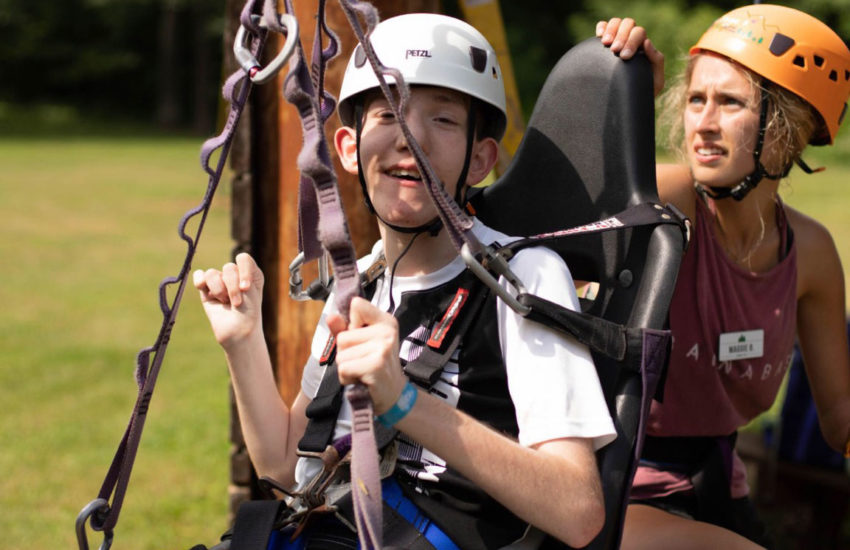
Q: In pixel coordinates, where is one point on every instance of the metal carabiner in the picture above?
(249, 63)
(498, 264)
(98, 507)
(296, 282)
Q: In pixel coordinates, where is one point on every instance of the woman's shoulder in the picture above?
(810, 235)
(818, 263)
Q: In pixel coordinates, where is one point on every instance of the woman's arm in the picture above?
(821, 326)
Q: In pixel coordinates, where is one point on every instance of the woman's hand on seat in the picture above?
(625, 38)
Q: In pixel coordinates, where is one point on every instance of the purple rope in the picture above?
(325, 222)
(315, 164)
(149, 360)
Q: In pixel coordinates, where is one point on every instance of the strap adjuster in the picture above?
(493, 262)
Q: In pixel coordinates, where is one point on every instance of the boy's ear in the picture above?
(345, 142)
(485, 153)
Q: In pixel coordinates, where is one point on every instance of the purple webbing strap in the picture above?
(146, 372)
(305, 91)
(308, 209)
(314, 162)
(366, 495)
(455, 221)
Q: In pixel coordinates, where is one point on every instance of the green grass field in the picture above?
(89, 230)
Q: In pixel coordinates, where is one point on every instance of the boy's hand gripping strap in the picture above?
(102, 515)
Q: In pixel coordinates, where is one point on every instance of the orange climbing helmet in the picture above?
(793, 50)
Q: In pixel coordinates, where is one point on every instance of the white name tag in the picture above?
(741, 345)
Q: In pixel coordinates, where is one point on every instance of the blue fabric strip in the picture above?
(395, 499)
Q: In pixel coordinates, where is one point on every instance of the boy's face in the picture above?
(438, 119)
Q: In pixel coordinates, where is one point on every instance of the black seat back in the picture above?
(589, 153)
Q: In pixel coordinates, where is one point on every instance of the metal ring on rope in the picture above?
(249, 63)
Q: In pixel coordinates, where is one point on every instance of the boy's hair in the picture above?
(791, 120)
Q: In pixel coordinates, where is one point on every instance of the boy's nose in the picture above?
(416, 127)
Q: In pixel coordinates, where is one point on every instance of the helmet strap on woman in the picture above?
(434, 226)
(760, 172)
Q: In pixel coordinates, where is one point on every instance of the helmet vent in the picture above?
(833, 76)
(478, 57)
(846, 75)
(818, 61)
(780, 44)
(799, 61)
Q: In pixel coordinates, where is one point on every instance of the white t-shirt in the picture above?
(551, 377)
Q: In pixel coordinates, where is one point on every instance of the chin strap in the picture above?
(760, 172)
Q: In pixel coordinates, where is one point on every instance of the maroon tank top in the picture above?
(705, 394)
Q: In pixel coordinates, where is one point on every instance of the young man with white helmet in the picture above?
(505, 436)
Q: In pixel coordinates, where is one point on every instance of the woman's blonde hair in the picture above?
(791, 120)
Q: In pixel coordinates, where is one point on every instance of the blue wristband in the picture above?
(401, 407)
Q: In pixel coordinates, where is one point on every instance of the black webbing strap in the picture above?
(322, 421)
(254, 522)
(322, 414)
(603, 336)
(611, 339)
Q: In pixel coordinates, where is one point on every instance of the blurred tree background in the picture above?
(155, 62)
(158, 62)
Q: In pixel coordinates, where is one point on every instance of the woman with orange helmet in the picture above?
(763, 82)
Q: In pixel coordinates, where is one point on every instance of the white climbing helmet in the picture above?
(429, 49)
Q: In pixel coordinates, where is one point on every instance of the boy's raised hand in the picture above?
(232, 298)
(367, 352)
(625, 38)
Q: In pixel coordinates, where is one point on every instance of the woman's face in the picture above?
(721, 122)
